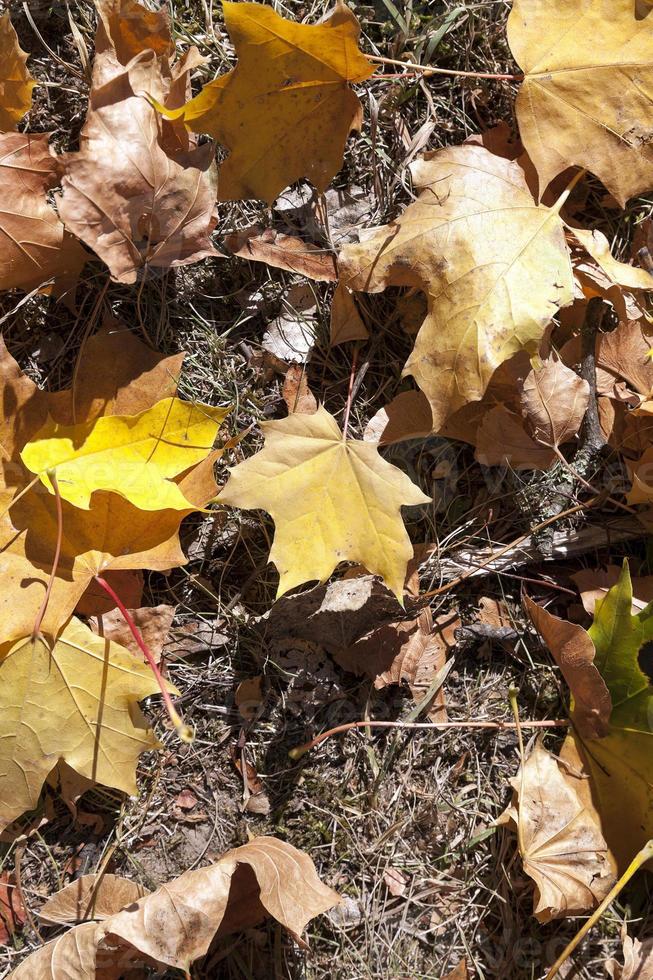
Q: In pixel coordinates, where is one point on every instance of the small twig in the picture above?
(430, 70)
(185, 732)
(55, 561)
(300, 750)
(640, 858)
(502, 551)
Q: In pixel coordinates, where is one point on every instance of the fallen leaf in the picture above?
(332, 500)
(296, 393)
(128, 584)
(494, 612)
(407, 416)
(586, 94)
(254, 796)
(126, 28)
(346, 322)
(77, 700)
(559, 839)
(501, 439)
(283, 252)
(573, 651)
(36, 252)
(554, 401)
(336, 614)
(638, 961)
(619, 764)
(459, 973)
(152, 622)
(90, 897)
(594, 584)
(471, 205)
(16, 83)
(69, 957)
(249, 697)
(291, 336)
(139, 204)
(176, 924)
(132, 455)
(410, 651)
(287, 108)
(12, 910)
(112, 535)
(395, 881)
(185, 800)
(619, 273)
(133, 377)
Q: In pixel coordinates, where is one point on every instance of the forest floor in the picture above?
(370, 807)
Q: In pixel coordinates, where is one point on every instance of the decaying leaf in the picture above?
(135, 456)
(69, 957)
(560, 840)
(75, 699)
(152, 622)
(573, 650)
(91, 897)
(586, 95)
(501, 438)
(287, 108)
(411, 652)
(296, 393)
(16, 83)
(332, 500)
(291, 336)
(35, 250)
(494, 265)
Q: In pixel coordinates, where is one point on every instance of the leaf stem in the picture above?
(640, 858)
(185, 732)
(350, 393)
(55, 561)
(430, 70)
(301, 750)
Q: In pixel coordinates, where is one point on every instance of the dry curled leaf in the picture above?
(332, 500)
(574, 652)
(494, 266)
(560, 841)
(587, 91)
(90, 897)
(638, 961)
(287, 108)
(594, 584)
(283, 252)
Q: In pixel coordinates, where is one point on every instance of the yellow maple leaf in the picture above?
(494, 265)
(132, 455)
(331, 499)
(588, 90)
(16, 83)
(74, 700)
(287, 108)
